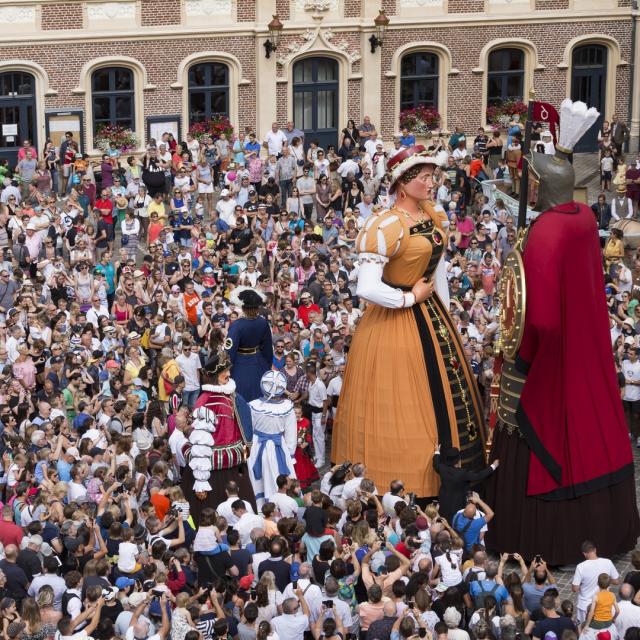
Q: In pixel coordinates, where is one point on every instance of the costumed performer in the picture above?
(407, 385)
(215, 452)
(274, 437)
(249, 343)
(306, 471)
(566, 461)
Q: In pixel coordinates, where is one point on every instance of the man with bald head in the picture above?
(294, 620)
(629, 615)
(17, 582)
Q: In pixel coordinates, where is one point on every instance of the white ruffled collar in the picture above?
(227, 389)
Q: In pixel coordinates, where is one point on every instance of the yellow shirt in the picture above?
(169, 371)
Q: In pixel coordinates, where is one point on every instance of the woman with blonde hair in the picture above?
(35, 629)
(45, 600)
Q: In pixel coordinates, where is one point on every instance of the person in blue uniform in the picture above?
(249, 344)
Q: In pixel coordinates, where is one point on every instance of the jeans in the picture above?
(308, 210)
(189, 397)
(285, 192)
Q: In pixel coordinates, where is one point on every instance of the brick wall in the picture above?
(389, 7)
(157, 56)
(282, 9)
(624, 3)
(466, 6)
(551, 5)
(354, 100)
(65, 15)
(465, 89)
(352, 8)
(246, 11)
(160, 12)
(281, 102)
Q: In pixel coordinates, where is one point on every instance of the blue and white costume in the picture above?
(274, 437)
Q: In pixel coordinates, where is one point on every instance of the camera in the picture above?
(469, 496)
(294, 584)
(410, 605)
(174, 512)
(422, 632)
(253, 593)
(327, 603)
(538, 559)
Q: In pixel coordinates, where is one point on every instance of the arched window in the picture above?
(419, 78)
(112, 96)
(208, 91)
(505, 78)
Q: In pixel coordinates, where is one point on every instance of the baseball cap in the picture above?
(73, 451)
(134, 335)
(136, 598)
(124, 583)
(112, 364)
(136, 382)
(224, 192)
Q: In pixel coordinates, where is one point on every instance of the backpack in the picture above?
(66, 598)
(478, 598)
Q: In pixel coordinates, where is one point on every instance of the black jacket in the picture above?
(454, 485)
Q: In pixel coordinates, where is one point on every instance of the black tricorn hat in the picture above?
(216, 364)
(250, 299)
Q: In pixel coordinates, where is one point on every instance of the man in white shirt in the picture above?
(371, 145)
(292, 624)
(76, 488)
(246, 523)
(629, 615)
(343, 611)
(224, 508)
(585, 579)
(287, 506)
(395, 494)
(349, 166)
(312, 592)
(631, 394)
(275, 140)
(225, 207)
(319, 408)
(189, 363)
(351, 487)
(177, 439)
(96, 311)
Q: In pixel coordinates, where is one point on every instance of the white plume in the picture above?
(442, 157)
(575, 120)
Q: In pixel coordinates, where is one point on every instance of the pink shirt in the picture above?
(465, 226)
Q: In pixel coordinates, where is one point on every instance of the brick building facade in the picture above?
(555, 47)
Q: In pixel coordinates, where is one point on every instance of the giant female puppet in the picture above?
(566, 471)
(407, 384)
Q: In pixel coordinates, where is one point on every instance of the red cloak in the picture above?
(570, 411)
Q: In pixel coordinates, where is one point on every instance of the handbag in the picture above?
(125, 240)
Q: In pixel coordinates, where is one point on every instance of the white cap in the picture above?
(224, 192)
(73, 451)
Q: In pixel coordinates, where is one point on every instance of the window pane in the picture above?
(101, 108)
(326, 70)
(408, 67)
(326, 113)
(30, 131)
(196, 75)
(303, 109)
(494, 89)
(197, 106)
(218, 102)
(426, 93)
(124, 107)
(514, 59)
(9, 115)
(407, 93)
(514, 87)
(219, 74)
(123, 80)
(101, 80)
(25, 86)
(506, 60)
(426, 64)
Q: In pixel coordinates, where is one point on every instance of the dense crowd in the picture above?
(115, 289)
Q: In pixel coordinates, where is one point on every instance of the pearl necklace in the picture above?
(422, 218)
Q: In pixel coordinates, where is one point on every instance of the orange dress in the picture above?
(407, 384)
